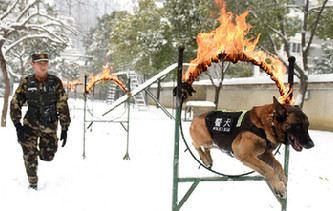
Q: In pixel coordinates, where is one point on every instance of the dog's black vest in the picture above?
(224, 126)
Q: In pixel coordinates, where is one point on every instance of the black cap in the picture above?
(40, 57)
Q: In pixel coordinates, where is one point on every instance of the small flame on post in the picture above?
(228, 43)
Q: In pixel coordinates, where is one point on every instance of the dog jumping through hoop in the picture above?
(252, 136)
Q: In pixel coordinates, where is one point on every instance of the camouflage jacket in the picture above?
(20, 97)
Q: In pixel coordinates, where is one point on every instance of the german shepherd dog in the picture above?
(279, 123)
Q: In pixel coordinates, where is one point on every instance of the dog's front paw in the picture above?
(280, 189)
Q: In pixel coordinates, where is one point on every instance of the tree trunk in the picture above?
(302, 91)
(217, 95)
(303, 86)
(218, 87)
(7, 89)
(303, 78)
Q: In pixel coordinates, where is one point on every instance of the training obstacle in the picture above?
(127, 99)
(91, 121)
(177, 202)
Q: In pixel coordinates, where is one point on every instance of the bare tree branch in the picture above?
(29, 37)
(13, 27)
(53, 22)
(64, 24)
(313, 9)
(9, 10)
(273, 43)
(24, 12)
(23, 23)
(315, 26)
(10, 72)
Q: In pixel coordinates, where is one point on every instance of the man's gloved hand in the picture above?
(63, 137)
(20, 132)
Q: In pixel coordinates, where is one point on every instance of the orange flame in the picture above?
(228, 43)
(71, 85)
(104, 77)
(94, 79)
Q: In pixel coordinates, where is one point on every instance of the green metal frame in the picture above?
(176, 203)
(126, 128)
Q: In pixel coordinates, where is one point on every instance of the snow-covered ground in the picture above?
(104, 181)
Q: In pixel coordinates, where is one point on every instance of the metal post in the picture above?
(127, 157)
(92, 105)
(291, 67)
(158, 91)
(176, 146)
(84, 116)
(286, 168)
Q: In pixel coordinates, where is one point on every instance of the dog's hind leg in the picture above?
(204, 155)
(202, 139)
(209, 157)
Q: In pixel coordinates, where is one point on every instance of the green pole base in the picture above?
(127, 157)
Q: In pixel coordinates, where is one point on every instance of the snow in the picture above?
(104, 181)
(321, 78)
(200, 103)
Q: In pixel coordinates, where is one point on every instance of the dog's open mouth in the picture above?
(294, 143)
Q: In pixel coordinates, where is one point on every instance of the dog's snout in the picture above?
(310, 144)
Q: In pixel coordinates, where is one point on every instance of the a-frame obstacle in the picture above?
(177, 202)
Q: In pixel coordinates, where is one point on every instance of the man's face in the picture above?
(41, 68)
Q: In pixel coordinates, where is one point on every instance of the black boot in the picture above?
(33, 186)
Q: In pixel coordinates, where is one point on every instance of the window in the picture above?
(299, 2)
(295, 47)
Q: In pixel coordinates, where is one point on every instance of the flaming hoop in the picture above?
(228, 43)
(104, 76)
(72, 85)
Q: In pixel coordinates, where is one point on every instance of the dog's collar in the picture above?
(273, 126)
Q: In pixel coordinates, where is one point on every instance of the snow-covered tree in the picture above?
(98, 40)
(187, 18)
(23, 21)
(67, 69)
(153, 46)
(142, 39)
(324, 64)
(277, 23)
(122, 47)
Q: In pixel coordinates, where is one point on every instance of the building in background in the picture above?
(83, 15)
(295, 46)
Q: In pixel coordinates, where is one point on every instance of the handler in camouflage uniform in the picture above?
(47, 101)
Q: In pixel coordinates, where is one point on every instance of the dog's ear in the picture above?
(280, 110)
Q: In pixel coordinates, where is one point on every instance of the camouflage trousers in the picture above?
(39, 141)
